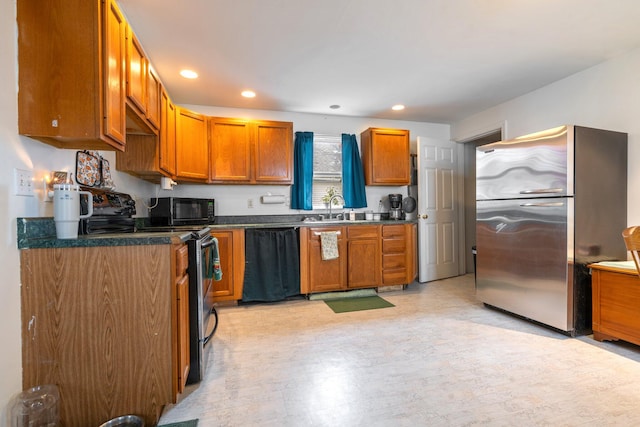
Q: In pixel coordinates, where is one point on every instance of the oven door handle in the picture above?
(206, 243)
(208, 337)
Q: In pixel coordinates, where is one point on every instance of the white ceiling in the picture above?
(443, 59)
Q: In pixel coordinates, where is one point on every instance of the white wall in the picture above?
(606, 96)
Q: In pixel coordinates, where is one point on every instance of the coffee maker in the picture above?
(395, 206)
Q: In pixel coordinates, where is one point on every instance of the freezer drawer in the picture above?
(524, 257)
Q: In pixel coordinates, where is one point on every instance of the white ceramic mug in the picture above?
(66, 209)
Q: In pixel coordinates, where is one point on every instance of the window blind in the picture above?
(327, 167)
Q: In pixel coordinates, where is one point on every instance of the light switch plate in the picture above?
(23, 182)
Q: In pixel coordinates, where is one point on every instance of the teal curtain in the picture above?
(302, 188)
(353, 189)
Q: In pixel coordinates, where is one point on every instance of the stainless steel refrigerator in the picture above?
(547, 205)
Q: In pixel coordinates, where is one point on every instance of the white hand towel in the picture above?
(329, 245)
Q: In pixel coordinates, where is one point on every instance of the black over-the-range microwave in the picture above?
(176, 211)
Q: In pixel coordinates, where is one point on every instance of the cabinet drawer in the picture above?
(393, 246)
(362, 231)
(314, 232)
(392, 230)
(182, 260)
(394, 277)
(390, 261)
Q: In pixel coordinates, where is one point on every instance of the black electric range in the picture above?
(112, 212)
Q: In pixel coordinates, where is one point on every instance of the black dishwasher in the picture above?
(272, 264)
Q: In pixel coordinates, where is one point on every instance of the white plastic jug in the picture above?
(66, 209)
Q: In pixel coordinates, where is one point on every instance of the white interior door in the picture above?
(437, 209)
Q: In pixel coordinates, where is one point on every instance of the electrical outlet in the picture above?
(249, 203)
(23, 182)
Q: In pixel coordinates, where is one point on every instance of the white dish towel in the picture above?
(329, 245)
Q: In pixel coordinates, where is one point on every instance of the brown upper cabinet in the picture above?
(136, 72)
(192, 148)
(151, 157)
(230, 150)
(167, 134)
(71, 68)
(153, 97)
(250, 151)
(385, 156)
(142, 87)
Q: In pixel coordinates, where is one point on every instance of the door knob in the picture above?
(425, 216)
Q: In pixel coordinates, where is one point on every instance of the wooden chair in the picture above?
(631, 236)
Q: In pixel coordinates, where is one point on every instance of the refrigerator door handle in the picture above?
(543, 191)
(543, 205)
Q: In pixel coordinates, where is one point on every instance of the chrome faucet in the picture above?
(335, 196)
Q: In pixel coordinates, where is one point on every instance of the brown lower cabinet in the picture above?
(369, 256)
(232, 259)
(399, 254)
(317, 275)
(106, 324)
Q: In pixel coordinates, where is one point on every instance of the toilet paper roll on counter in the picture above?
(272, 199)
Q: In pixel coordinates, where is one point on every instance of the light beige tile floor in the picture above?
(438, 358)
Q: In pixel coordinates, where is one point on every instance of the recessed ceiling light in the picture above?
(334, 106)
(397, 107)
(248, 94)
(189, 74)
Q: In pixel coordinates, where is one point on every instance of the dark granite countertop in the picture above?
(34, 233)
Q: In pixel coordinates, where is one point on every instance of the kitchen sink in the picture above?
(325, 221)
(322, 220)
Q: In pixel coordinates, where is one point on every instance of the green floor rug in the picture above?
(190, 423)
(344, 305)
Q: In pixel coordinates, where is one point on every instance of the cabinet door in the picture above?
(330, 275)
(182, 291)
(114, 73)
(364, 263)
(230, 150)
(364, 256)
(136, 72)
(153, 97)
(232, 259)
(386, 156)
(167, 134)
(192, 151)
(181, 318)
(273, 152)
